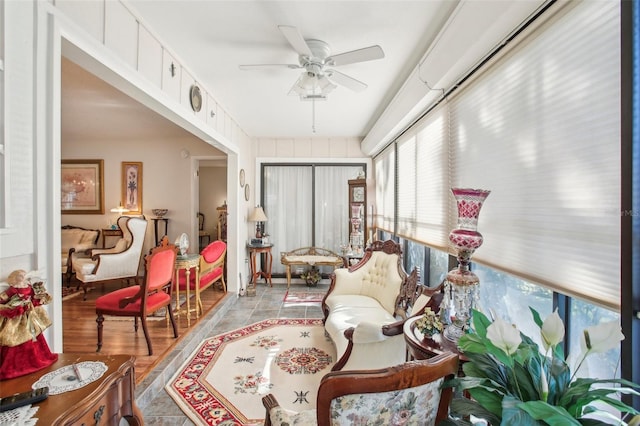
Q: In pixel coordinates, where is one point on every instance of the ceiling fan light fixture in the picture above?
(312, 87)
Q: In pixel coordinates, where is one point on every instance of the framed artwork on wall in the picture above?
(82, 188)
(132, 186)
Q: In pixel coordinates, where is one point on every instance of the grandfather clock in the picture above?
(357, 214)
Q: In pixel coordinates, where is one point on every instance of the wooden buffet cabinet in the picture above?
(100, 403)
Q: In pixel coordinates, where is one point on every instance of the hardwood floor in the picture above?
(119, 337)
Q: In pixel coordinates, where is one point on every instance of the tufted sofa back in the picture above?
(377, 277)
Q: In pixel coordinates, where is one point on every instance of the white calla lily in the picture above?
(504, 335)
(600, 338)
(552, 330)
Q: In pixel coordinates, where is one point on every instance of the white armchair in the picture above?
(119, 262)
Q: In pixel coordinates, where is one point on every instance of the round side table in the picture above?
(425, 347)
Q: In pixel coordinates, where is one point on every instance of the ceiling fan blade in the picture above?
(346, 81)
(269, 66)
(360, 55)
(295, 39)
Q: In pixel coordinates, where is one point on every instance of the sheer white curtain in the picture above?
(332, 204)
(288, 195)
(295, 214)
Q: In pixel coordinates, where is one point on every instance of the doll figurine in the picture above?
(23, 348)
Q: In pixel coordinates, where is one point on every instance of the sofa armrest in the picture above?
(393, 329)
(363, 342)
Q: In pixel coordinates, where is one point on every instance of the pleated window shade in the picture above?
(384, 169)
(540, 128)
(423, 181)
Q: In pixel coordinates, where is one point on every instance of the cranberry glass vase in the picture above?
(461, 285)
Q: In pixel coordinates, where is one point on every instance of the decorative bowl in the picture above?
(159, 212)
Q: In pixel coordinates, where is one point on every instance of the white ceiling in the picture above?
(212, 38)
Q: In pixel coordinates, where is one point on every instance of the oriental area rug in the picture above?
(224, 380)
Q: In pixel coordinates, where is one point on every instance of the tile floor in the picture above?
(157, 407)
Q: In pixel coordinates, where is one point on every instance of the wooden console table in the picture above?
(102, 402)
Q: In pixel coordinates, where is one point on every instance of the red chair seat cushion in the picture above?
(205, 280)
(111, 302)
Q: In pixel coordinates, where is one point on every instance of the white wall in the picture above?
(213, 194)
(309, 148)
(166, 180)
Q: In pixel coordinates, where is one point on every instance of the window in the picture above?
(318, 193)
(600, 365)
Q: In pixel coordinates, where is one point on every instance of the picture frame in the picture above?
(132, 186)
(82, 187)
(242, 178)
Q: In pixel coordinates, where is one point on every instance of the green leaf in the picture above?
(480, 323)
(558, 352)
(536, 317)
(527, 385)
(466, 407)
(489, 399)
(486, 366)
(513, 415)
(472, 343)
(550, 414)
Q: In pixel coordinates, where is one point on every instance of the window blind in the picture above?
(432, 152)
(540, 128)
(407, 187)
(384, 168)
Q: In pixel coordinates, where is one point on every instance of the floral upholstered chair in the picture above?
(407, 394)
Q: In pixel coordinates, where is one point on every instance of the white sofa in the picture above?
(366, 305)
(75, 240)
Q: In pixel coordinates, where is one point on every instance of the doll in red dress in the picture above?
(23, 348)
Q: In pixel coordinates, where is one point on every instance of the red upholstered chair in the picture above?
(140, 301)
(211, 271)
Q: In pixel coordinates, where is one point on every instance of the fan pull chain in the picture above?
(313, 115)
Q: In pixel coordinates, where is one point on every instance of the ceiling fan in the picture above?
(314, 57)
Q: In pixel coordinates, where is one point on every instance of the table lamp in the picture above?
(259, 218)
(120, 209)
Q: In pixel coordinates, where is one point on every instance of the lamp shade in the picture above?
(258, 215)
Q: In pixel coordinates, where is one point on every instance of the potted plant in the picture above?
(311, 276)
(429, 324)
(510, 381)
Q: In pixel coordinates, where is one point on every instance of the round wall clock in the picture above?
(247, 192)
(196, 98)
(241, 178)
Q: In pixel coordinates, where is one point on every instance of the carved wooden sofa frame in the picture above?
(410, 299)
